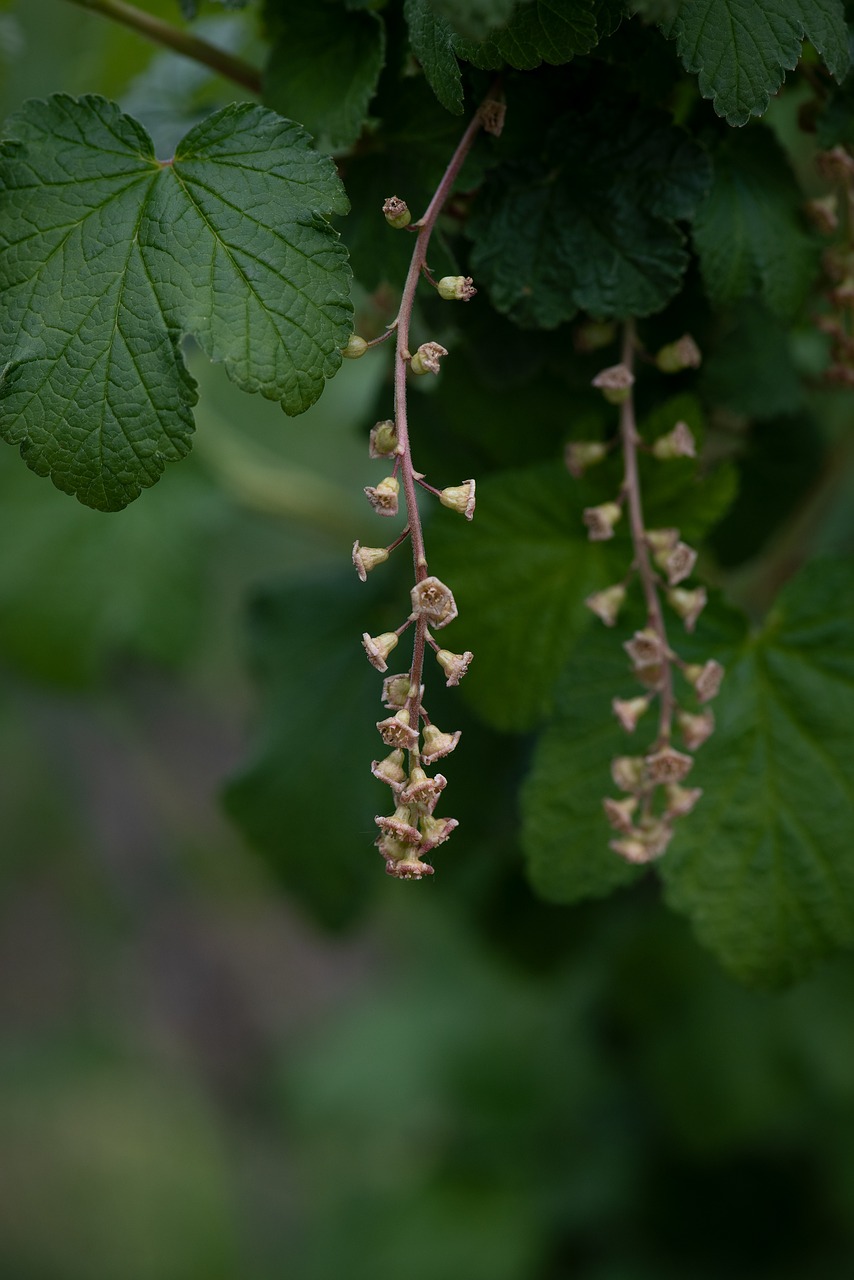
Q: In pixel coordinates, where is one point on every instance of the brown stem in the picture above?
(163, 33)
(631, 488)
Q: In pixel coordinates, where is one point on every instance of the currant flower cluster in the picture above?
(651, 780)
(412, 831)
(833, 215)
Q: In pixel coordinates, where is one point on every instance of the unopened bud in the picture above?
(687, 604)
(384, 496)
(695, 729)
(437, 744)
(678, 563)
(459, 497)
(355, 347)
(600, 520)
(427, 357)
(607, 604)
(581, 454)
(454, 665)
(367, 558)
(678, 443)
(456, 288)
(615, 383)
(629, 711)
(396, 212)
(676, 356)
(379, 647)
(383, 441)
(706, 679)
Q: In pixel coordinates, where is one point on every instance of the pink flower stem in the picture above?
(631, 488)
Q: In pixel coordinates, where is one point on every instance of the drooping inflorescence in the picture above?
(651, 780)
(410, 833)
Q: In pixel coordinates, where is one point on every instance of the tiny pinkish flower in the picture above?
(679, 355)
(678, 443)
(661, 540)
(678, 563)
(667, 765)
(615, 383)
(628, 772)
(433, 601)
(435, 831)
(695, 729)
(383, 440)
(396, 212)
(367, 558)
(395, 690)
(460, 497)
(629, 711)
(454, 665)
(646, 648)
(456, 288)
(391, 848)
(400, 825)
(422, 790)
(427, 357)
(379, 647)
(619, 812)
(437, 744)
(396, 732)
(409, 868)
(680, 800)
(607, 604)
(581, 454)
(631, 849)
(491, 113)
(688, 604)
(390, 769)
(600, 520)
(384, 496)
(706, 679)
(656, 834)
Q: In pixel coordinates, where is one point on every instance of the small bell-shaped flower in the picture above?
(383, 439)
(660, 541)
(678, 443)
(384, 496)
(695, 729)
(434, 602)
(367, 558)
(667, 765)
(437, 743)
(409, 868)
(390, 769)
(600, 520)
(678, 563)
(427, 357)
(619, 812)
(629, 773)
(454, 665)
(706, 679)
(581, 454)
(435, 831)
(632, 849)
(379, 647)
(607, 604)
(688, 605)
(400, 825)
(456, 288)
(680, 800)
(459, 497)
(422, 790)
(396, 212)
(615, 383)
(646, 648)
(629, 711)
(396, 690)
(396, 731)
(679, 355)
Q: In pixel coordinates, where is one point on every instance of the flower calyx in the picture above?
(384, 496)
(600, 520)
(454, 665)
(367, 558)
(396, 212)
(615, 383)
(379, 647)
(459, 497)
(427, 357)
(434, 602)
(383, 439)
(456, 288)
(679, 355)
(437, 744)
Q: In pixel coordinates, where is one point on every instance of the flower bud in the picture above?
(667, 765)
(456, 288)
(383, 441)
(695, 729)
(390, 769)
(628, 772)
(629, 711)
(355, 347)
(706, 679)
(619, 812)
(427, 357)
(678, 563)
(687, 604)
(432, 600)
(379, 647)
(396, 732)
(600, 521)
(581, 454)
(396, 690)
(454, 665)
(437, 744)
(607, 604)
(615, 383)
(678, 443)
(676, 356)
(384, 496)
(459, 498)
(396, 212)
(367, 558)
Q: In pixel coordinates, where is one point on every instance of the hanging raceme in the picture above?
(412, 831)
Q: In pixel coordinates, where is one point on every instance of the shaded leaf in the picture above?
(432, 41)
(229, 242)
(552, 31)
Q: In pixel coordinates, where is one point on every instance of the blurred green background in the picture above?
(199, 1080)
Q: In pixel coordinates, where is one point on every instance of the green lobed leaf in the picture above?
(324, 67)
(432, 41)
(766, 871)
(564, 831)
(474, 19)
(552, 31)
(107, 256)
(587, 219)
(749, 232)
(740, 49)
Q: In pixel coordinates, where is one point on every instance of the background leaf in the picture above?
(432, 40)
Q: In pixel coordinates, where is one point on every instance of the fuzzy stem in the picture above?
(163, 33)
(631, 487)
